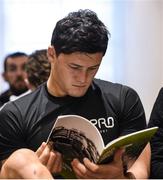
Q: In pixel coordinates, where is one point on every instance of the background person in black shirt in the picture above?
(156, 119)
(79, 42)
(37, 69)
(14, 73)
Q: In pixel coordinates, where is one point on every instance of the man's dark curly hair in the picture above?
(80, 31)
(38, 67)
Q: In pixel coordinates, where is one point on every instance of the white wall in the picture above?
(143, 48)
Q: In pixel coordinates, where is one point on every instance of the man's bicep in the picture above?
(11, 131)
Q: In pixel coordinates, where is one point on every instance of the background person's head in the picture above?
(79, 41)
(14, 72)
(37, 68)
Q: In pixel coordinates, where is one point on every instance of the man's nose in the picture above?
(19, 72)
(82, 76)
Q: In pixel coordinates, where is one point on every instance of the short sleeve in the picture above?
(11, 130)
(132, 115)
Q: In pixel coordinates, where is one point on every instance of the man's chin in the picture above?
(77, 94)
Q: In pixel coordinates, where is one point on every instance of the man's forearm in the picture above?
(24, 164)
(141, 167)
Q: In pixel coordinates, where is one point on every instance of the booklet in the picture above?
(76, 137)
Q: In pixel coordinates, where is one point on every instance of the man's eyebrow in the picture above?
(89, 56)
(77, 65)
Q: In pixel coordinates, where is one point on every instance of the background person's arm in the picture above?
(156, 119)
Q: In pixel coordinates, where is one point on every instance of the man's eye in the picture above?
(93, 69)
(74, 67)
(11, 68)
(23, 67)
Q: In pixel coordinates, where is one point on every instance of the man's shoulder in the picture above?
(161, 93)
(111, 87)
(4, 97)
(5, 94)
(105, 83)
(27, 100)
(30, 95)
(115, 92)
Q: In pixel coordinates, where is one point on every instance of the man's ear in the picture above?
(51, 53)
(4, 75)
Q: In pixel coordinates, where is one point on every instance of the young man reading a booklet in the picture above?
(79, 42)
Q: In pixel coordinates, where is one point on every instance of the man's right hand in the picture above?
(51, 159)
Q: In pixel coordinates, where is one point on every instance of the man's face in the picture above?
(15, 73)
(73, 73)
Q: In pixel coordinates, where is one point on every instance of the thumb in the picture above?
(118, 155)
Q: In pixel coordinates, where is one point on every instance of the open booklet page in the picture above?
(76, 137)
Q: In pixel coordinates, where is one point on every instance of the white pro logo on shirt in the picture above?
(102, 122)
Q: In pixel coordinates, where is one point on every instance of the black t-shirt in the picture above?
(5, 97)
(113, 108)
(156, 119)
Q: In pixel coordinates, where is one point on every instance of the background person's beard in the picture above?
(17, 91)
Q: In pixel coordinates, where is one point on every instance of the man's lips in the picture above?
(19, 82)
(80, 86)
